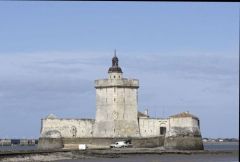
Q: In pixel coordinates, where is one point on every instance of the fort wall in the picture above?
(117, 118)
(151, 126)
(58, 143)
(68, 128)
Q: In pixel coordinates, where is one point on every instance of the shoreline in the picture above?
(53, 155)
(214, 142)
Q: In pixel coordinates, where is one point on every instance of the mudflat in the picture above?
(98, 154)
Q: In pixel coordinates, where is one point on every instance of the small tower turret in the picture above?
(115, 72)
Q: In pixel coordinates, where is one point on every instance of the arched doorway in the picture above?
(162, 131)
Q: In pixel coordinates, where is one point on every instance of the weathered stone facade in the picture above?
(117, 117)
(116, 107)
(68, 128)
(151, 126)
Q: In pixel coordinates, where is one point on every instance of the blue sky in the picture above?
(186, 56)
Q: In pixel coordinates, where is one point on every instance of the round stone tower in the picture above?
(116, 104)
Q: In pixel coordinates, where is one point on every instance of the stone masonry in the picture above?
(117, 117)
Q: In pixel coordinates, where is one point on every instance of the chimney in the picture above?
(146, 112)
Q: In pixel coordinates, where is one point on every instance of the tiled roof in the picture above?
(183, 114)
(51, 116)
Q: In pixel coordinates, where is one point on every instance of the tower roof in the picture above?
(184, 114)
(115, 68)
(51, 116)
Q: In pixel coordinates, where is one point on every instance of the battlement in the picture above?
(106, 83)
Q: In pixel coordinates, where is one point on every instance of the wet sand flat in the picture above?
(120, 155)
(164, 158)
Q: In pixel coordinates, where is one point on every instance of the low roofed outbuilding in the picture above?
(184, 114)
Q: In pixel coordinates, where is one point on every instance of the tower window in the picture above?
(114, 99)
(114, 76)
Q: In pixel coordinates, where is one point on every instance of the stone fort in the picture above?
(118, 118)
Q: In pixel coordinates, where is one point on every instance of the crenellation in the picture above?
(117, 83)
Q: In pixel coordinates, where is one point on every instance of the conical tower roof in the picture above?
(115, 68)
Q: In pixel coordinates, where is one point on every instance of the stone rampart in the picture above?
(67, 127)
(183, 143)
(136, 142)
(56, 143)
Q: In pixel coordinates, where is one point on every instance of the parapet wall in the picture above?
(103, 83)
(69, 128)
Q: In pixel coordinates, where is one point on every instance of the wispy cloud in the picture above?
(199, 66)
(63, 83)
